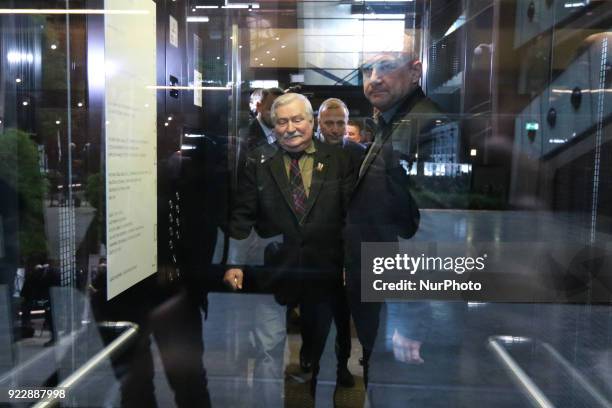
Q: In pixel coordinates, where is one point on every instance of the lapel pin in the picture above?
(320, 166)
(263, 158)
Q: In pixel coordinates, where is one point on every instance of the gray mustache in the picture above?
(288, 135)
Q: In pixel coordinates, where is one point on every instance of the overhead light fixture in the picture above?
(473, 152)
(198, 19)
(18, 80)
(25, 103)
(15, 57)
(241, 6)
(80, 104)
(207, 7)
(53, 47)
(57, 122)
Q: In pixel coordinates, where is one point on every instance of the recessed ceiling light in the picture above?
(260, 64)
(80, 104)
(57, 122)
(283, 46)
(53, 46)
(25, 103)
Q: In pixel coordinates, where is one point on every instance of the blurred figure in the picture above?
(333, 118)
(254, 99)
(261, 129)
(382, 208)
(353, 131)
(295, 189)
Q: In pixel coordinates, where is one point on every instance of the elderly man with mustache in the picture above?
(296, 189)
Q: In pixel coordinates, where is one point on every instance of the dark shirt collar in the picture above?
(390, 113)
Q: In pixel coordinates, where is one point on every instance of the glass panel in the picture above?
(289, 203)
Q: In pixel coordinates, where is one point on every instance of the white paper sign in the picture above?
(173, 32)
(131, 143)
(197, 88)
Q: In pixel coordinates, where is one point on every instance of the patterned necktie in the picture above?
(298, 192)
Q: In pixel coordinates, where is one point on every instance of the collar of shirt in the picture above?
(389, 113)
(268, 131)
(309, 150)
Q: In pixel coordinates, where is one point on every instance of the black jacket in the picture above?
(309, 260)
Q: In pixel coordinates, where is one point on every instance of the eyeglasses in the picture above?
(383, 67)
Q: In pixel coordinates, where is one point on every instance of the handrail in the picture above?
(131, 329)
(529, 388)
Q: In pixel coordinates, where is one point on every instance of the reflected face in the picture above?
(352, 134)
(293, 127)
(333, 124)
(263, 108)
(388, 78)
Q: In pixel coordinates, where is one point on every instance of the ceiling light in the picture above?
(198, 19)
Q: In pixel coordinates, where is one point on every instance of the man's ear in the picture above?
(416, 71)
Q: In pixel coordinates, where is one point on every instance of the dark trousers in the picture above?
(316, 318)
(366, 316)
(342, 320)
(176, 326)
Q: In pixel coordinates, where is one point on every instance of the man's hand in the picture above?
(406, 350)
(233, 278)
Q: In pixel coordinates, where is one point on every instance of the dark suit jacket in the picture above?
(255, 136)
(382, 207)
(309, 260)
(355, 151)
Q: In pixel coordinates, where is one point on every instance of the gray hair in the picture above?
(334, 103)
(288, 98)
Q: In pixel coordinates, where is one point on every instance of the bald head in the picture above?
(389, 76)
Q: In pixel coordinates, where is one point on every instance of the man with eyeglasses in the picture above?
(296, 189)
(382, 208)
